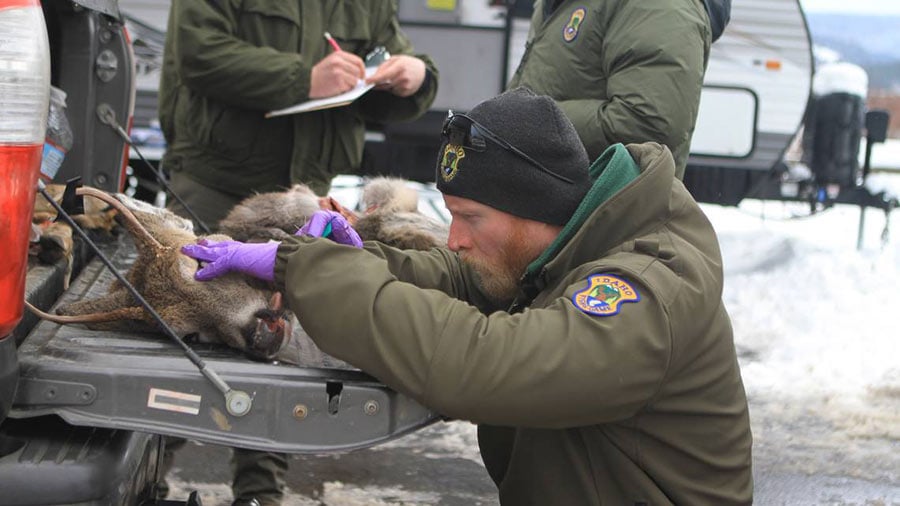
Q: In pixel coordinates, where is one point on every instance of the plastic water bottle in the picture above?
(59, 135)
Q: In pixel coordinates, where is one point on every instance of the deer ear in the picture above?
(276, 302)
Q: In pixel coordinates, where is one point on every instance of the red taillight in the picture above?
(19, 166)
(24, 101)
(9, 4)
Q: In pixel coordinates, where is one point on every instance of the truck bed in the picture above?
(143, 382)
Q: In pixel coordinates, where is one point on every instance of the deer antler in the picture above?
(138, 231)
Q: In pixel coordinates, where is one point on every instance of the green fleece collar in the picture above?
(611, 172)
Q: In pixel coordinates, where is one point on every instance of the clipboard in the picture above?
(339, 100)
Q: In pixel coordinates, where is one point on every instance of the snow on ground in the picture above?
(456, 439)
(816, 326)
(819, 315)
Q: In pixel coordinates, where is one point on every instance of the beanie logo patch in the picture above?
(570, 31)
(453, 153)
(604, 294)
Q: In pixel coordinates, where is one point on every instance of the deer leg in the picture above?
(114, 299)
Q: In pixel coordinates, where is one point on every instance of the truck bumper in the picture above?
(9, 372)
(47, 461)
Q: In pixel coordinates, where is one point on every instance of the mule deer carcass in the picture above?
(227, 309)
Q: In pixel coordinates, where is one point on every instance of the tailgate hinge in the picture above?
(42, 392)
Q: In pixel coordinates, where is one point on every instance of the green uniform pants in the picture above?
(208, 204)
(257, 475)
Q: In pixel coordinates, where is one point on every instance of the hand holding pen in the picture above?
(338, 72)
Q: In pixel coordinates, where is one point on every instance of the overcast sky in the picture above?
(856, 6)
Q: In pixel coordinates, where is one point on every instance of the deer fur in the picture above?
(390, 215)
(226, 309)
(271, 215)
(388, 194)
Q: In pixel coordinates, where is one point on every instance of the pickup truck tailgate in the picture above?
(143, 382)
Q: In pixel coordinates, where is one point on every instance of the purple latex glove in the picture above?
(332, 225)
(255, 259)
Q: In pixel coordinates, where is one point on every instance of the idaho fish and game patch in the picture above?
(570, 31)
(450, 161)
(604, 295)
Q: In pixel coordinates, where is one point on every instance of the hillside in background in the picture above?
(873, 42)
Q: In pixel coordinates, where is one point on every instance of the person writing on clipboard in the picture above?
(402, 75)
(226, 64)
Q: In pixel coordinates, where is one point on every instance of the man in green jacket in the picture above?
(621, 71)
(227, 63)
(576, 314)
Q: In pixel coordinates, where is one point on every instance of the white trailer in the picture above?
(757, 87)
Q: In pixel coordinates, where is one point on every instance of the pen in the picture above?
(334, 44)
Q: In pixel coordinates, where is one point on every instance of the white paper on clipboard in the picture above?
(340, 100)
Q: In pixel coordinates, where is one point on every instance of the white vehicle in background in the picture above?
(756, 89)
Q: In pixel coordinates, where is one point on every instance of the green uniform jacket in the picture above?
(227, 62)
(630, 72)
(645, 406)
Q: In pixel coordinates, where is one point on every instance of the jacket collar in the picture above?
(629, 197)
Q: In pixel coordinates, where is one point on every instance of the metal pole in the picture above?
(862, 223)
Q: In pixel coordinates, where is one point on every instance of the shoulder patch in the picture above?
(604, 294)
(570, 31)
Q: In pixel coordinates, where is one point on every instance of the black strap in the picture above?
(719, 14)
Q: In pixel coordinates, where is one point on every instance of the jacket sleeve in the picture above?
(212, 59)
(436, 269)
(548, 368)
(383, 106)
(655, 57)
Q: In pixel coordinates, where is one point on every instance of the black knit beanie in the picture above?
(497, 177)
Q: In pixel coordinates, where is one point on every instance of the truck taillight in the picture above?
(24, 101)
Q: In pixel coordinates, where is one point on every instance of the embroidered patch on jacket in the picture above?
(570, 31)
(604, 294)
(450, 160)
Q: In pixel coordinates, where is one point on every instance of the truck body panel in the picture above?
(93, 62)
(52, 462)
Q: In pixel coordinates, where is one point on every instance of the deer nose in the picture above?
(272, 333)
